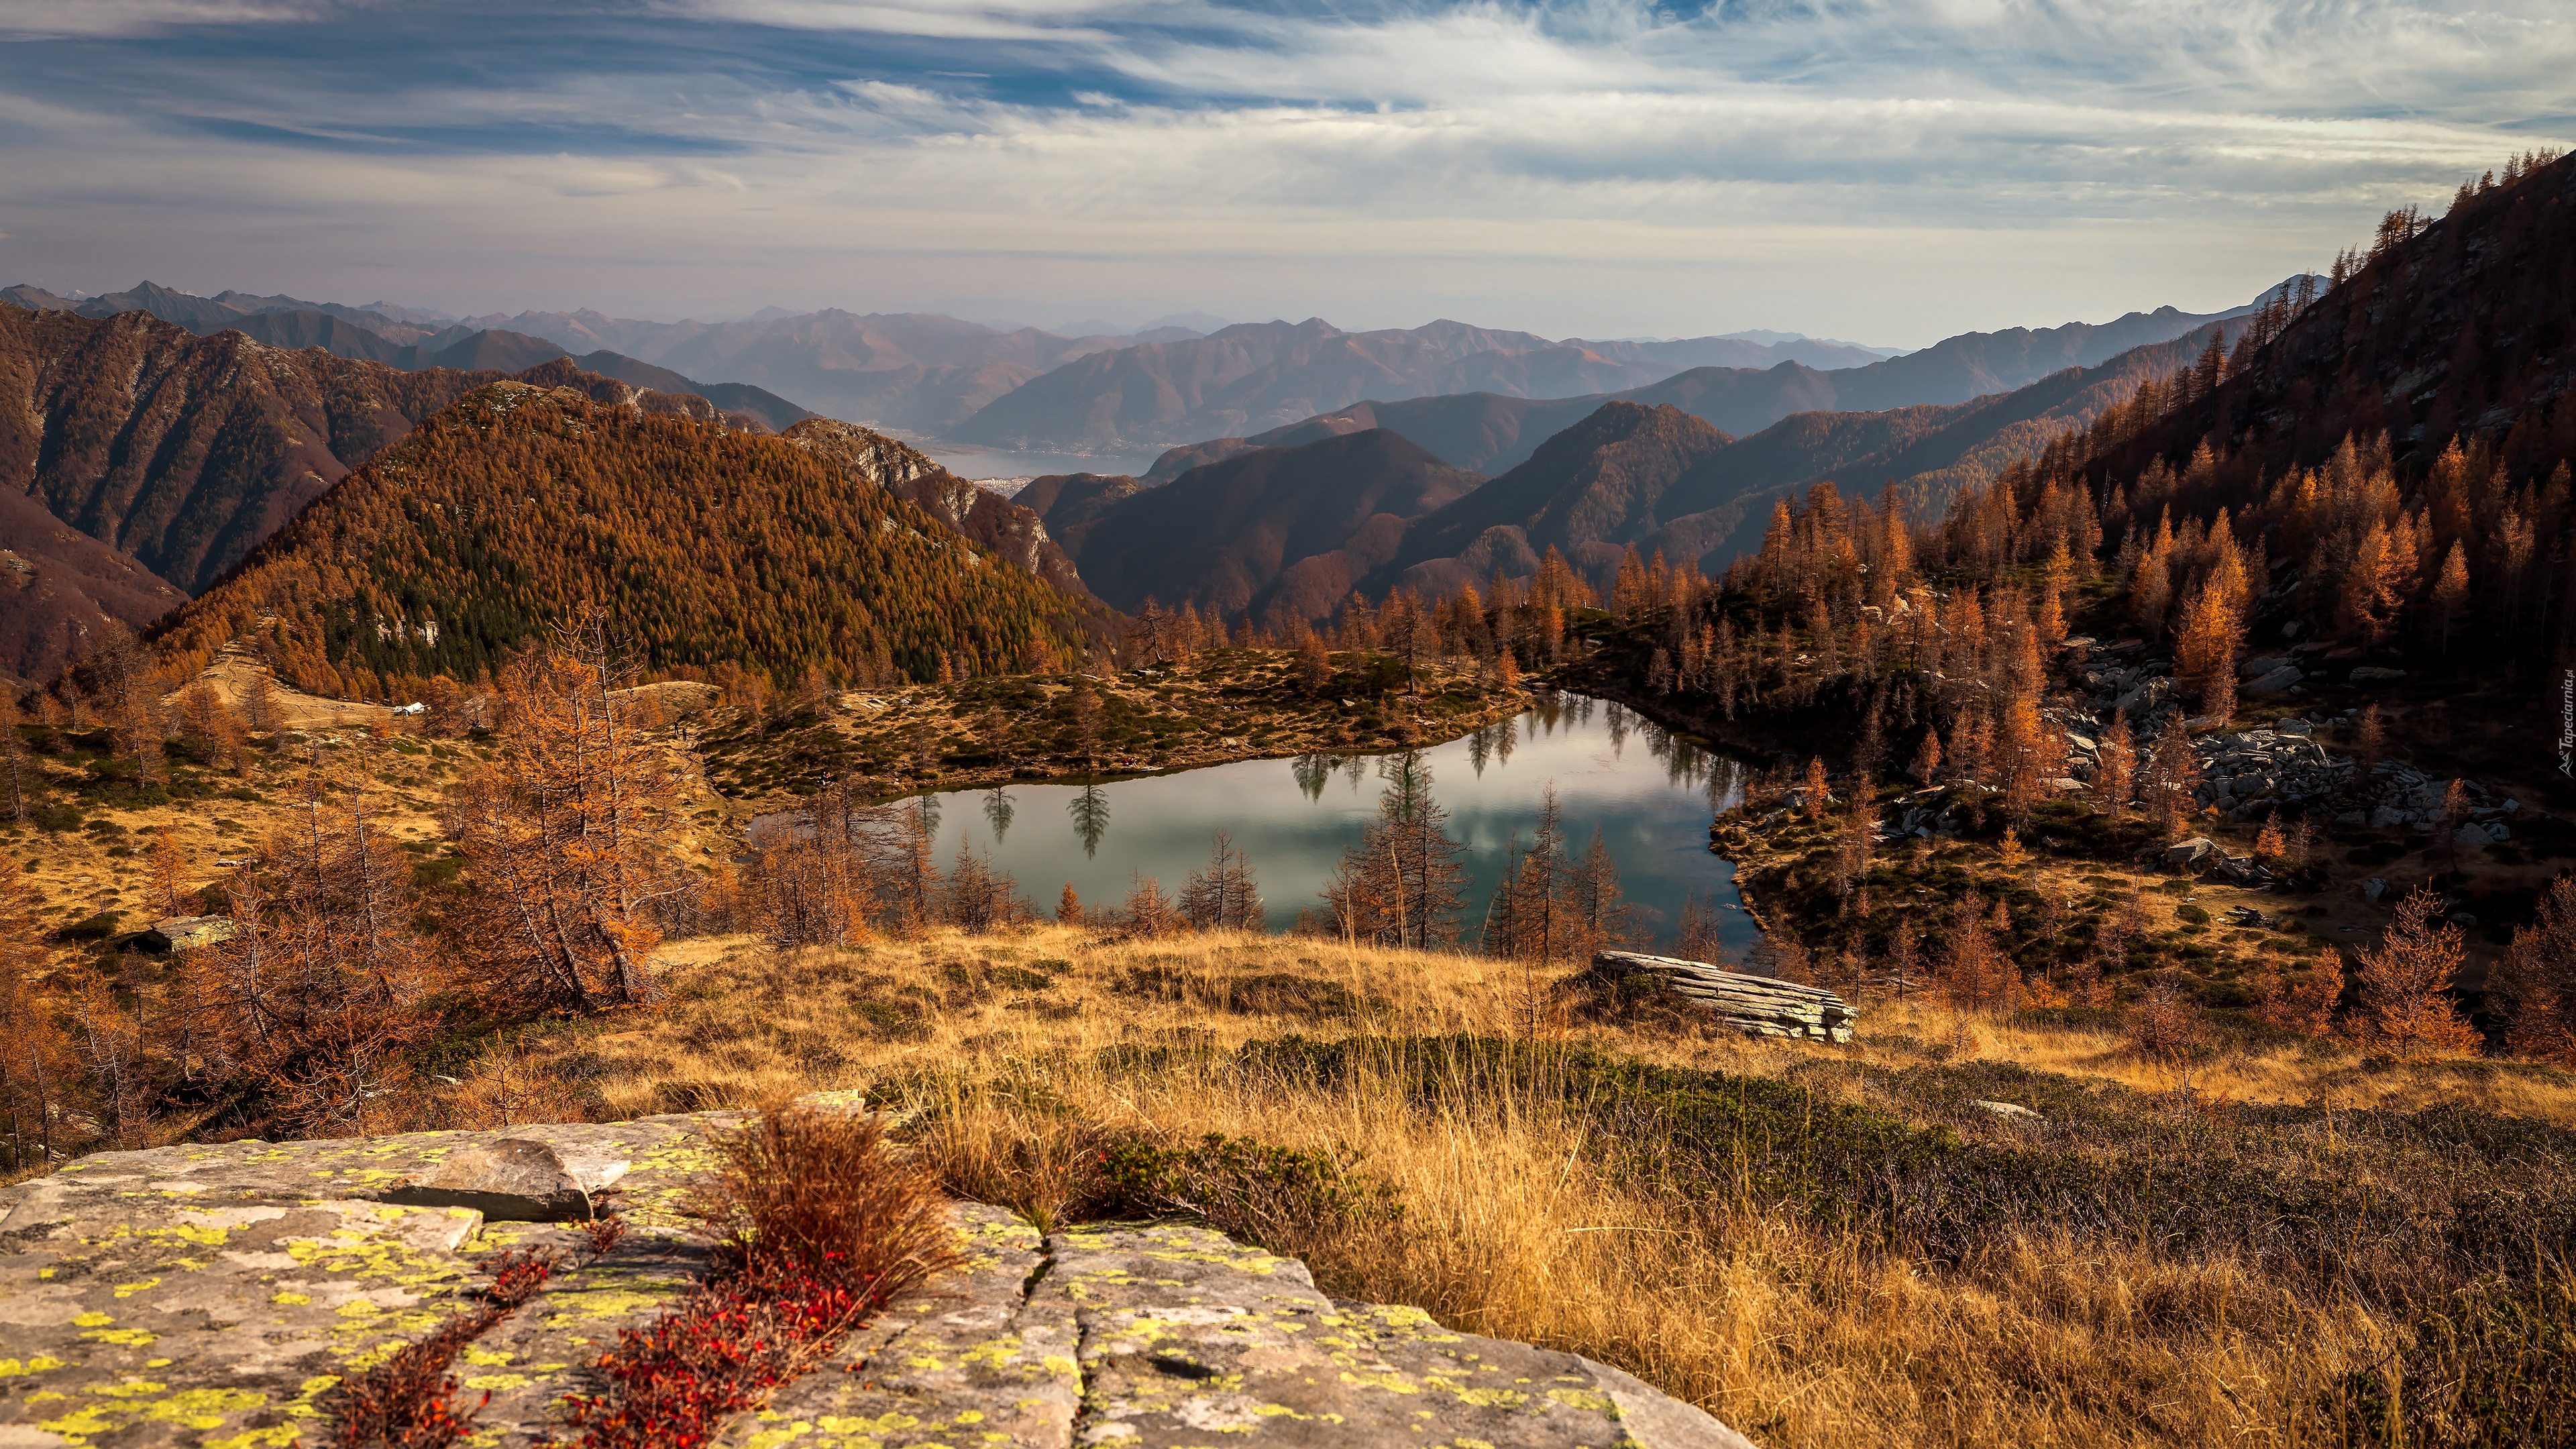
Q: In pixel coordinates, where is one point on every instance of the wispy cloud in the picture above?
(1887, 168)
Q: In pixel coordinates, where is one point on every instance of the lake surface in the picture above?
(1650, 795)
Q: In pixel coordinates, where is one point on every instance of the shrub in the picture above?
(818, 1225)
(803, 1190)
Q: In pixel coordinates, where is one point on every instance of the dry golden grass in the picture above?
(1513, 1222)
(748, 1022)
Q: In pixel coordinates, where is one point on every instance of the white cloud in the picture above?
(1893, 169)
(40, 19)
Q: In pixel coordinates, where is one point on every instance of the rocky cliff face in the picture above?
(215, 1294)
(991, 521)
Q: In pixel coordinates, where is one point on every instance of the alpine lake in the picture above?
(1650, 795)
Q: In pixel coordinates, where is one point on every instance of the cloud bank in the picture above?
(1889, 169)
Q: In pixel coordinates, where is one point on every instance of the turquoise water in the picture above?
(1650, 795)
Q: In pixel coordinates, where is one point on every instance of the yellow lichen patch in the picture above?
(11, 1368)
(497, 1382)
(292, 1298)
(203, 1408)
(892, 1422)
(279, 1437)
(482, 1357)
(93, 1319)
(130, 1388)
(81, 1423)
(124, 1337)
(1584, 1399)
(1393, 1383)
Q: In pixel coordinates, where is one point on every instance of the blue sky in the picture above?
(1889, 171)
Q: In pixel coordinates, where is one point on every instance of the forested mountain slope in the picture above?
(2459, 325)
(1287, 527)
(508, 511)
(1004, 527)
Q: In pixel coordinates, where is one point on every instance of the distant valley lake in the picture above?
(1650, 794)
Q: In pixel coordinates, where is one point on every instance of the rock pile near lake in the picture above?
(216, 1293)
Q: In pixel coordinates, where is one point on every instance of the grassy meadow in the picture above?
(2273, 1241)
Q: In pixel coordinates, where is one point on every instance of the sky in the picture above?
(1886, 171)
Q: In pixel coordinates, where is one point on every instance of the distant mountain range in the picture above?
(1169, 386)
(908, 370)
(1286, 527)
(1491, 431)
(1258, 375)
(404, 342)
(1587, 476)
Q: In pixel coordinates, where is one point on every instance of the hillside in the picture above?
(1278, 528)
(56, 585)
(1072, 504)
(1482, 432)
(2449, 327)
(1622, 475)
(501, 515)
(186, 451)
(181, 452)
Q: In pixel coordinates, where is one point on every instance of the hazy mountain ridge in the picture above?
(1619, 473)
(908, 369)
(1254, 376)
(1494, 428)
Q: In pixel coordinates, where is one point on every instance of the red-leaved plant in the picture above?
(818, 1225)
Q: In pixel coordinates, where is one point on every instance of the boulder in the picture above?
(510, 1179)
(2008, 1109)
(2373, 673)
(2192, 854)
(2375, 889)
(2261, 664)
(2276, 681)
(1759, 1005)
(187, 933)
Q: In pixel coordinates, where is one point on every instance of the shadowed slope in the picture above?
(1291, 527)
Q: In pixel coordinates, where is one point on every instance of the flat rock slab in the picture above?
(213, 1295)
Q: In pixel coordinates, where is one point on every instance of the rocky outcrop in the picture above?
(1757, 1004)
(987, 519)
(215, 1294)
